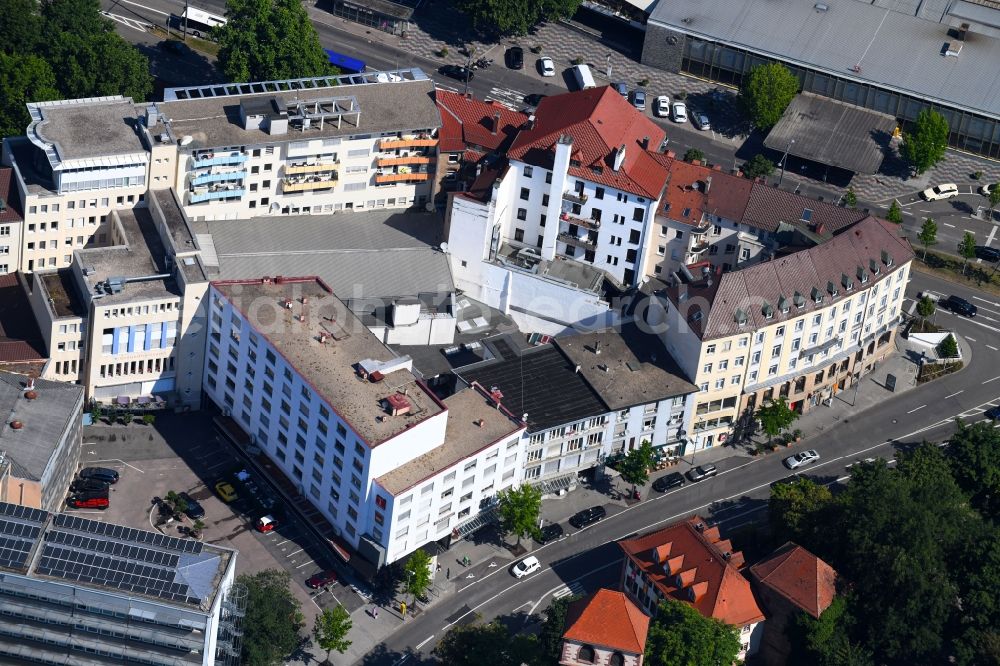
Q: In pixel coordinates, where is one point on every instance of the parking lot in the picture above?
(182, 453)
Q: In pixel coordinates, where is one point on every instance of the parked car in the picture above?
(194, 510)
(515, 57)
(959, 305)
(679, 111)
(83, 502)
(550, 532)
(668, 481)
(990, 254)
(459, 72)
(587, 517)
(322, 579)
(226, 491)
(266, 524)
(88, 485)
(700, 120)
(621, 88)
(702, 472)
(525, 567)
(99, 473)
(546, 66)
(993, 413)
(939, 192)
(801, 458)
(639, 99)
(661, 107)
(985, 190)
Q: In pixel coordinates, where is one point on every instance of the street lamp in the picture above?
(468, 68)
(784, 161)
(609, 67)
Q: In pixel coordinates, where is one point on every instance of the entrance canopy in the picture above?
(823, 130)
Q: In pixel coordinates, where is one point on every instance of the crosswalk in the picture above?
(567, 590)
(141, 26)
(513, 99)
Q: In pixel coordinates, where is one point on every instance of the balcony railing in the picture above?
(308, 185)
(699, 247)
(397, 161)
(580, 222)
(215, 195)
(569, 239)
(699, 231)
(219, 160)
(206, 178)
(575, 197)
(291, 170)
(389, 178)
(408, 142)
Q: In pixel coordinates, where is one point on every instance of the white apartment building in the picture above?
(801, 327)
(385, 461)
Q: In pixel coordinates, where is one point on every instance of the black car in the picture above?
(990, 254)
(960, 306)
(588, 517)
(99, 473)
(668, 481)
(702, 472)
(458, 72)
(534, 99)
(515, 57)
(993, 413)
(194, 510)
(550, 532)
(88, 485)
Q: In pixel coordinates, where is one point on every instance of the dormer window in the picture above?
(740, 317)
(876, 269)
(695, 316)
(783, 305)
(799, 300)
(886, 259)
(847, 283)
(767, 311)
(832, 288)
(862, 275)
(817, 295)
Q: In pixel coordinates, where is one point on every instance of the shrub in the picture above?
(577, 60)
(644, 82)
(148, 419)
(681, 95)
(443, 52)
(693, 154)
(536, 49)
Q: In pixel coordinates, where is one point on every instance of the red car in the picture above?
(322, 579)
(88, 502)
(266, 524)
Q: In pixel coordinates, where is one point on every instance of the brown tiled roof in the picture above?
(11, 211)
(819, 268)
(798, 576)
(600, 121)
(697, 557)
(467, 121)
(768, 207)
(726, 195)
(607, 619)
(20, 339)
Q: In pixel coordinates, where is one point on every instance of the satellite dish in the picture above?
(444, 247)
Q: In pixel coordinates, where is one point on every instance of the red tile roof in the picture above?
(798, 576)
(468, 122)
(699, 189)
(769, 206)
(11, 210)
(697, 558)
(600, 121)
(607, 619)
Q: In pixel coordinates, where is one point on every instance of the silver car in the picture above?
(802, 458)
(700, 120)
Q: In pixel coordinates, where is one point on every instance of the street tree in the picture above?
(928, 234)
(994, 198)
(895, 213)
(767, 92)
(553, 628)
(926, 307)
(794, 510)
(518, 509)
(634, 468)
(925, 146)
(850, 198)
(418, 574)
(948, 348)
(267, 40)
(491, 643)
(775, 416)
(967, 250)
(974, 457)
(758, 167)
(273, 618)
(679, 635)
(496, 18)
(693, 154)
(331, 629)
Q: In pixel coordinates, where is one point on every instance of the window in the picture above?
(707, 368)
(522, 213)
(720, 383)
(779, 332)
(710, 349)
(773, 370)
(638, 215)
(525, 193)
(735, 380)
(799, 325)
(586, 654)
(519, 233)
(776, 350)
(599, 193)
(528, 171)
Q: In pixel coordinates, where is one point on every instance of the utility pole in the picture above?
(468, 69)
(784, 160)
(609, 67)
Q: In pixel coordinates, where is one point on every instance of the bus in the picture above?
(198, 22)
(345, 64)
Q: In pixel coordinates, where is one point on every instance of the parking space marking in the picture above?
(969, 231)
(954, 394)
(304, 564)
(916, 409)
(993, 348)
(970, 339)
(295, 553)
(991, 380)
(949, 225)
(117, 461)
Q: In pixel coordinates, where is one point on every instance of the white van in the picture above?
(584, 79)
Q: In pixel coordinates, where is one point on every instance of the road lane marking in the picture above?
(991, 380)
(136, 4)
(954, 394)
(993, 348)
(986, 301)
(425, 641)
(970, 339)
(969, 231)
(916, 409)
(949, 225)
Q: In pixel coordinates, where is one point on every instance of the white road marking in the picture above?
(141, 26)
(989, 239)
(993, 348)
(991, 380)
(969, 231)
(986, 301)
(916, 409)
(303, 565)
(970, 339)
(136, 4)
(949, 225)
(296, 552)
(420, 645)
(954, 394)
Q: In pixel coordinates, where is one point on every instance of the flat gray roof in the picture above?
(474, 423)
(82, 129)
(46, 419)
(330, 368)
(385, 107)
(631, 368)
(901, 51)
(835, 133)
(176, 222)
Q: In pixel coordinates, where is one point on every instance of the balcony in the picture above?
(701, 230)
(308, 184)
(391, 178)
(575, 197)
(291, 170)
(586, 241)
(397, 161)
(216, 194)
(580, 222)
(698, 247)
(422, 141)
(218, 177)
(211, 159)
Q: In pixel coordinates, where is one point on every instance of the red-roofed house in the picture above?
(790, 582)
(690, 562)
(604, 628)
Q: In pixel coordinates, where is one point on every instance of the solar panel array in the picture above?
(22, 513)
(19, 528)
(114, 548)
(127, 534)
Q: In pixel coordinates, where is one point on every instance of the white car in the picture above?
(680, 112)
(547, 66)
(939, 192)
(800, 459)
(986, 189)
(528, 565)
(661, 107)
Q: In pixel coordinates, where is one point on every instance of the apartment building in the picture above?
(586, 397)
(800, 327)
(10, 224)
(81, 591)
(386, 462)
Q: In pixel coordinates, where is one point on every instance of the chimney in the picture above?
(496, 123)
(480, 423)
(671, 154)
(708, 184)
(619, 157)
(301, 318)
(645, 143)
(597, 347)
(820, 228)
(305, 300)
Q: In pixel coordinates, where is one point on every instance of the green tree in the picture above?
(928, 234)
(77, 17)
(273, 618)
(974, 456)
(775, 416)
(515, 17)
(681, 636)
(23, 78)
(418, 574)
(553, 628)
(518, 509)
(967, 250)
(767, 92)
(758, 167)
(850, 198)
(267, 40)
(948, 348)
(331, 629)
(925, 307)
(693, 154)
(21, 27)
(634, 468)
(177, 503)
(794, 510)
(826, 641)
(926, 145)
(492, 643)
(895, 213)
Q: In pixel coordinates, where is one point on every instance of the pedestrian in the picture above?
(447, 574)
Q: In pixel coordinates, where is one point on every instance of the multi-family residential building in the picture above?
(386, 462)
(800, 327)
(39, 441)
(690, 562)
(10, 224)
(586, 397)
(81, 591)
